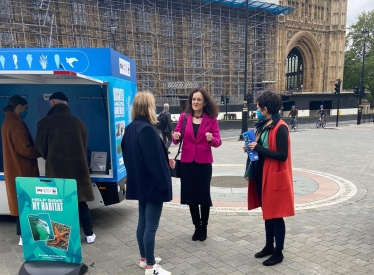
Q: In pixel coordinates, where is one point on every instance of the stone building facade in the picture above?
(315, 31)
(180, 44)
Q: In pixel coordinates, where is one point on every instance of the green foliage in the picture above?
(354, 51)
(369, 98)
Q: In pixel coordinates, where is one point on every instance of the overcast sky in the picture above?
(355, 7)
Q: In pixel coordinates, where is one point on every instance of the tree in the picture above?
(354, 51)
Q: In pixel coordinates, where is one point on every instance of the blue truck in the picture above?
(100, 84)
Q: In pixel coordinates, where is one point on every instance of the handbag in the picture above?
(175, 172)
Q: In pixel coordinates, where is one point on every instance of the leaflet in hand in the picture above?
(249, 137)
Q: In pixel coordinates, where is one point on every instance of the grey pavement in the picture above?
(330, 239)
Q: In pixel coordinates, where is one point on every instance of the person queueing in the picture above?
(62, 140)
(201, 133)
(19, 153)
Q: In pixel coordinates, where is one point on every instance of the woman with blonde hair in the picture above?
(148, 176)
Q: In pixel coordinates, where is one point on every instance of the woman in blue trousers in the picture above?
(148, 177)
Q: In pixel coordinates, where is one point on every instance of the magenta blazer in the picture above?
(199, 149)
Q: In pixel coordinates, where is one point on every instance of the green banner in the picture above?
(48, 210)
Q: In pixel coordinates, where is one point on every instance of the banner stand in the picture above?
(49, 219)
(48, 268)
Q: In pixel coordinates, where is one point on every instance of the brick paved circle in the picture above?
(312, 189)
(302, 185)
(228, 181)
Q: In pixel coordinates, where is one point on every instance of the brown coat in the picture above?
(62, 140)
(19, 156)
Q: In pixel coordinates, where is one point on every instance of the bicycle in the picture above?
(294, 124)
(321, 122)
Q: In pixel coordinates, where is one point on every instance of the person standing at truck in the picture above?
(62, 140)
(19, 153)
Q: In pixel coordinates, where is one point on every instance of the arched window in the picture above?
(294, 70)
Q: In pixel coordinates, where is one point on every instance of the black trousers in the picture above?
(18, 226)
(85, 218)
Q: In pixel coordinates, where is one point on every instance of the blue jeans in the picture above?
(149, 218)
(293, 121)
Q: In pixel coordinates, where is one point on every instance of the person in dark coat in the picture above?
(19, 153)
(148, 176)
(168, 131)
(62, 140)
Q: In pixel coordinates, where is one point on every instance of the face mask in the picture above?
(259, 115)
(23, 114)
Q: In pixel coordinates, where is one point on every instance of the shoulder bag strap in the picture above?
(182, 135)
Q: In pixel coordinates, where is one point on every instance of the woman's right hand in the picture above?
(176, 135)
(172, 163)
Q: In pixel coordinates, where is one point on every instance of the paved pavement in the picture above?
(332, 232)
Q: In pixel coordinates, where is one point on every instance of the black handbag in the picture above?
(175, 172)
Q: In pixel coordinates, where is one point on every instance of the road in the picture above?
(231, 134)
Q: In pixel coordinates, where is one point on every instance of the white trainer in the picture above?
(156, 270)
(91, 239)
(143, 263)
(20, 241)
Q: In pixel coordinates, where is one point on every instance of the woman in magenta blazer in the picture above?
(201, 133)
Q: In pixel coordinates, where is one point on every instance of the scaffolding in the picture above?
(177, 44)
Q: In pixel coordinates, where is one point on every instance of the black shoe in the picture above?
(203, 233)
(276, 258)
(266, 251)
(196, 234)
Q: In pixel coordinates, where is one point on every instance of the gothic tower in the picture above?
(311, 43)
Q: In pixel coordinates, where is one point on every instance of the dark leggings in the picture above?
(275, 229)
(198, 219)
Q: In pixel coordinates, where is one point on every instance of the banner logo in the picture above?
(124, 67)
(46, 190)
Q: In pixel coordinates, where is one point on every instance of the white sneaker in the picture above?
(20, 241)
(143, 263)
(91, 239)
(156, 270)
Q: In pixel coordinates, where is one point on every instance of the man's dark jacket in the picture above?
(169, 125)
(62, 140)
(147, 164)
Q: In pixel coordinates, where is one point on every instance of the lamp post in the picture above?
(245, 103)
(113, 30)
(365, 33)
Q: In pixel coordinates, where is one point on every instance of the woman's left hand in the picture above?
(252, 145)
(172, 163)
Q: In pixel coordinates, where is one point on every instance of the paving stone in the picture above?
(333, 239)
